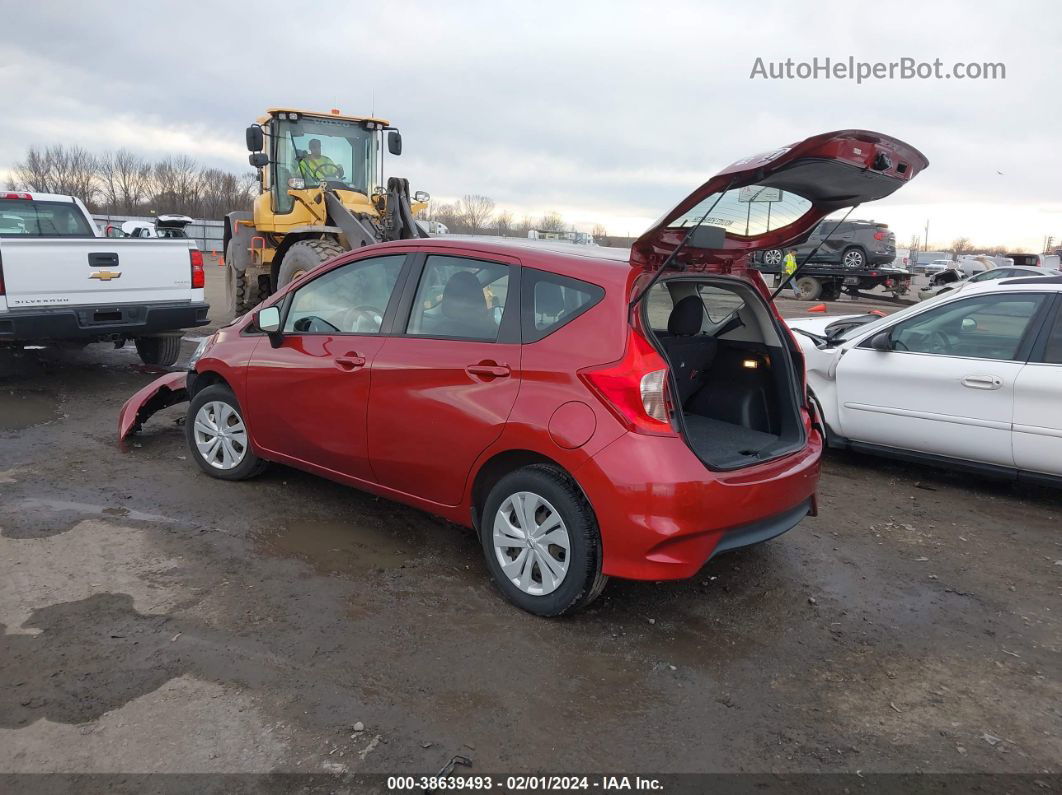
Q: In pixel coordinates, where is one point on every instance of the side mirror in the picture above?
(255, 139)
(394, 142)
(268, 320)
(422, 196)
(259, 160)
(881, 341)
(969, 324)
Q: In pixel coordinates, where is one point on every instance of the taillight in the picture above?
(879, 235)
(198, 274)
(634, 389)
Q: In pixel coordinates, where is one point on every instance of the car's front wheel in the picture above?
(541, 541)
(217, 435)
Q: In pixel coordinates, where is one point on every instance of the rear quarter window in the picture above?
(549, 302)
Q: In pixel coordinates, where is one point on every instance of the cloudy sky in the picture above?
(606, 112)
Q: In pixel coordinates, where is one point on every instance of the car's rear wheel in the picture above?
(773, 256)
(541, 542)
(162, 350)
(808, 288)
(853, 258)
(217, 435)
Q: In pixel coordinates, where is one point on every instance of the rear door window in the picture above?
(24, 218)
(460, 298)
(550, 302)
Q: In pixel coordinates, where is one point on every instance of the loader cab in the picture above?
(299, 153)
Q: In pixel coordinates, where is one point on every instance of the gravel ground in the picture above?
(156, 620)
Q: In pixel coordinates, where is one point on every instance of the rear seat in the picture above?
(688, 351)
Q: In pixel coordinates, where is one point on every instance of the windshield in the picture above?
(749, 211)
(323, 150)
(22, 218)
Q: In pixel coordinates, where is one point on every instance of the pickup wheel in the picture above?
(162, 350)
(808, 287)
(304, 256)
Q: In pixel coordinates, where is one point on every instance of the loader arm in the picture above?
(359, 232)
(398, 222)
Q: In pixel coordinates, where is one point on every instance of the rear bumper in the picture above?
(663, 515)
(98, 321)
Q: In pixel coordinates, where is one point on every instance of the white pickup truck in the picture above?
(60, 280)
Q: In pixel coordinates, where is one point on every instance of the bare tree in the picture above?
(526, 225)
(961, 245)
(476, 211)
(551, 222)
(72, 171)
(503, 223)
(124, 179)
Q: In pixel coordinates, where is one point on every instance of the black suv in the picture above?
(855, 245)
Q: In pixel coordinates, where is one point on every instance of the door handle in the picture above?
(489, 370)
(982, 381)
(350, 362)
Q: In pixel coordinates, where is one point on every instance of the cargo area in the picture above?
(731, 371)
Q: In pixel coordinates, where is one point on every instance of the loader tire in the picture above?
(304, 256)
(242, 292)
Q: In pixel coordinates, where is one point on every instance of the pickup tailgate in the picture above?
(85, 271)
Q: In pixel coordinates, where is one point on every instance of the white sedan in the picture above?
(970, 379)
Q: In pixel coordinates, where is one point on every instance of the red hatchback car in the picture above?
(589, 412)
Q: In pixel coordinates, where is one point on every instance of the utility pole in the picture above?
(926, 243)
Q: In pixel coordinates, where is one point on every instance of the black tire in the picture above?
(242, 292)
(831, 291)
(583, 582)
(854, 258)
(809, 288)
(250, 465)
(162, 350)
(305, 256)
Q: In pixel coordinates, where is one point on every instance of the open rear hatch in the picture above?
(775, 199)
(736, 387)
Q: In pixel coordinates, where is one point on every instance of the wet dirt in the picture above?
(917, 614)
(25, 408)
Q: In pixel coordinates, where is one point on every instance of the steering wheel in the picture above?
(327, 170)
(938, 342)
(355, 315)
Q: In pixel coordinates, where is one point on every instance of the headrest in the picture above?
(686, 317)
(549, 300)
(462, 294)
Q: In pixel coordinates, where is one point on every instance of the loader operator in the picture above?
(317, 166)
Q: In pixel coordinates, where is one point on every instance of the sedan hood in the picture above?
(775, 199)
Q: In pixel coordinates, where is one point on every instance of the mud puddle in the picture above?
(337, 546)
(24, 408)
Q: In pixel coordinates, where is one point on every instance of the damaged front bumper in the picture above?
(169, 390)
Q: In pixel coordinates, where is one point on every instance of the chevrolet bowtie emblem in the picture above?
(105, 276)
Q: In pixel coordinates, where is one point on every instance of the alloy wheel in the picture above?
(220, 435)
(531, 543)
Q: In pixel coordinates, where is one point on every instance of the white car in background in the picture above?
(937, 287)
(970, 379)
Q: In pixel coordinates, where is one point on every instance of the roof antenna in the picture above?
(372, 104)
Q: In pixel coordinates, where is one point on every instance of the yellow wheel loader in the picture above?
(321, 192)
